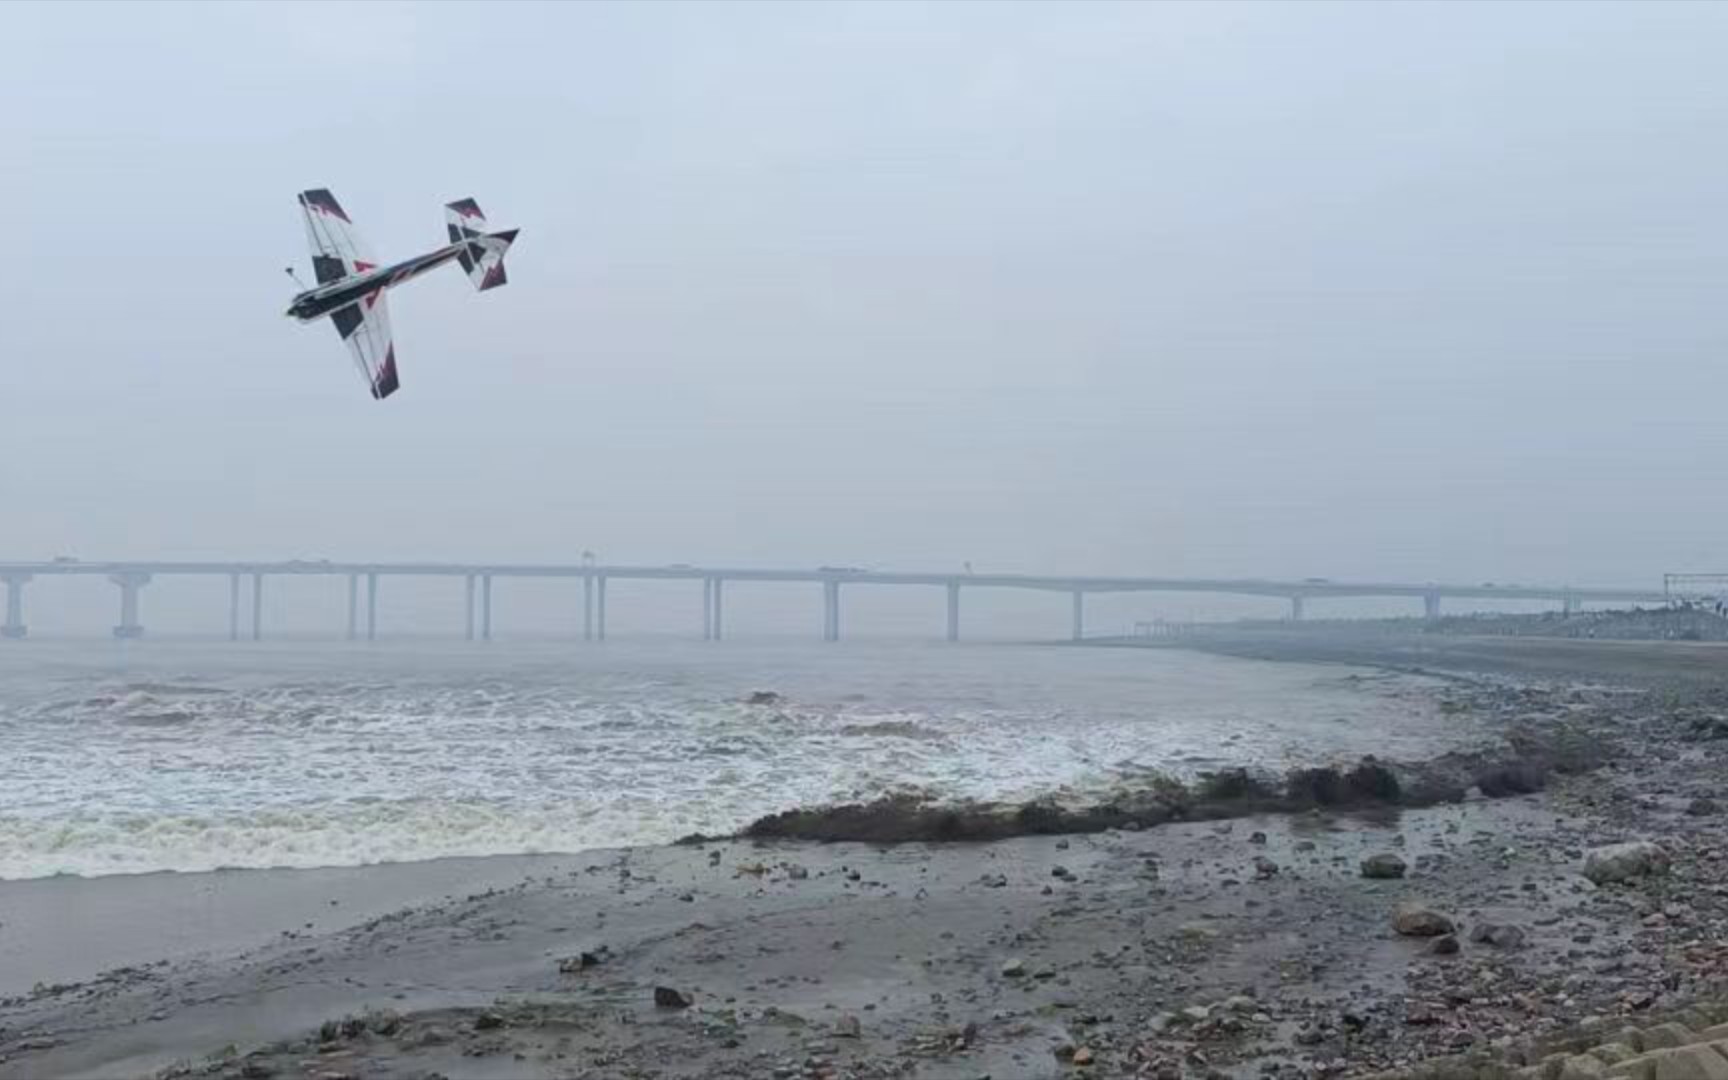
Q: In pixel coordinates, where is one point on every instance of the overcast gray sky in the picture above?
(1361, 291)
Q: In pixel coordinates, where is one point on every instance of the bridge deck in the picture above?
(131, 576)
(1047, 582)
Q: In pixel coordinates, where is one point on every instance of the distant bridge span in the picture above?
(132, 576)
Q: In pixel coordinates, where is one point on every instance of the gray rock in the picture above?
(1383, 867)
(1013, 969)
(1515, 779)
(1415, 920)
(1703, 807)
(1623, 862)
(668, 998)
(1581, 1067)
(1500, 935)
(1445, 945)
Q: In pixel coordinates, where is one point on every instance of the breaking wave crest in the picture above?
(422, 754)
(404, 831)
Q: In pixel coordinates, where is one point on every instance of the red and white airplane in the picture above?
(351, 283)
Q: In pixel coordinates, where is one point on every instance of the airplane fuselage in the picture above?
(318, 303)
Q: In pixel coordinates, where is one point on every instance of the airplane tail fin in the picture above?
(482, 256)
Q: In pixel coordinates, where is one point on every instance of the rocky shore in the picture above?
(1484, 915)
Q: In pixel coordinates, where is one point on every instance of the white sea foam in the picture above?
(326, 757)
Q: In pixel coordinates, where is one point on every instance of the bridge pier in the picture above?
(258, 607)
(1296, 609)
(1079, 630)
(719, 607)
(468, 608)
(600, 608)
(830, 611)
(372, 607)
(1431, 606)
(953, 611)
(129, 584)
(587, 607)
(711, 608)
(485, 607)
(14, 627)
(234, 607)
(353, 606)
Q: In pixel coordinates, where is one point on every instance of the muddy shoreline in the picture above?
(1185, 934)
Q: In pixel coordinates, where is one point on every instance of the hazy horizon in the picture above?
(1418, 291)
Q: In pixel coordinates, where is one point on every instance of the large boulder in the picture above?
(1667, 1036)
(1684, 1063)
(1374, 781)
(1623, 862)
(1582, 1067)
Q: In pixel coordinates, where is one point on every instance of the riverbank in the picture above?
(1245, 947)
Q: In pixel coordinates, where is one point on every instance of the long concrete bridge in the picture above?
(477, 578)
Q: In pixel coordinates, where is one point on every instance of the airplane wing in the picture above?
(365, 326)
(337, 250)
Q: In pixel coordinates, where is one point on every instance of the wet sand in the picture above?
(67, 929)
(1249, 947)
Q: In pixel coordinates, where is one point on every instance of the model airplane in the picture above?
(351, 284)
